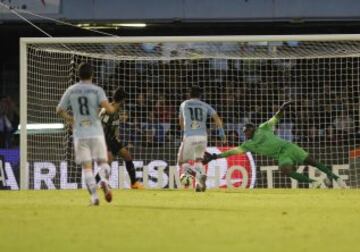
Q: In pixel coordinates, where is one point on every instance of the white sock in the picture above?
(187, 169)
(199, 169)
(105, 172)
(94, 197)
(90, 182)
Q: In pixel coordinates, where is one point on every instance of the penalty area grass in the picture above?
(181, 220)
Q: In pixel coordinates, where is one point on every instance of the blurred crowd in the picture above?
(9, 121)
(241, 89)
(326, 108)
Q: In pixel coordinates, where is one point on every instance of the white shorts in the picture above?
(89, 149)
(192, 148)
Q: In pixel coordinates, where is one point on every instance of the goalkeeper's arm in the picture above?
(209, 157)
(278, 115)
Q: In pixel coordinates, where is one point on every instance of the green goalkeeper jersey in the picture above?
(263, 142)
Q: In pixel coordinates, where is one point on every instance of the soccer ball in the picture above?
(186, 180)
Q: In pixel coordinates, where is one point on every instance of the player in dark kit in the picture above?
(110, 124)
(262, 140)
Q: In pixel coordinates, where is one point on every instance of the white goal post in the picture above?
(244, 77)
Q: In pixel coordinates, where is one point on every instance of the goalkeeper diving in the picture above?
(262, 140)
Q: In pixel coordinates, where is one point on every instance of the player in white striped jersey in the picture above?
(114, 143)
(192, 118)
(84, 99)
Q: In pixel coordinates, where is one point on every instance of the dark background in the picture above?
(11, 32)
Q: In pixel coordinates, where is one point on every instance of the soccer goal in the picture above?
(245, 78)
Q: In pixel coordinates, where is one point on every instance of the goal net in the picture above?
(244, 78)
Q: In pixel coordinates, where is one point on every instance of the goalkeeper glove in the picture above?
(285, 105)
(209, 157)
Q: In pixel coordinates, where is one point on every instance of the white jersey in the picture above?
(84, 100)
(195, 114)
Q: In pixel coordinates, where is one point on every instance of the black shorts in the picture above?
(114, 146)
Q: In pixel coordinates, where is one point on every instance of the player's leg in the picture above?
(294, 155)
(309, 160)
(100, 154)
(110, 159)
(325, 169)
(83, 157)
(104, 174)
(199, 147)
(287, 165)
(105, 170)
(303, 157)
(192, 149)
(130, 167)
(90, 183)
(288, 169)
(200, 178)
(186, 172)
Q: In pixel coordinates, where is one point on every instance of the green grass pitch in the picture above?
(151, 220)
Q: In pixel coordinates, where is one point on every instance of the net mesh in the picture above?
(245, 82)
